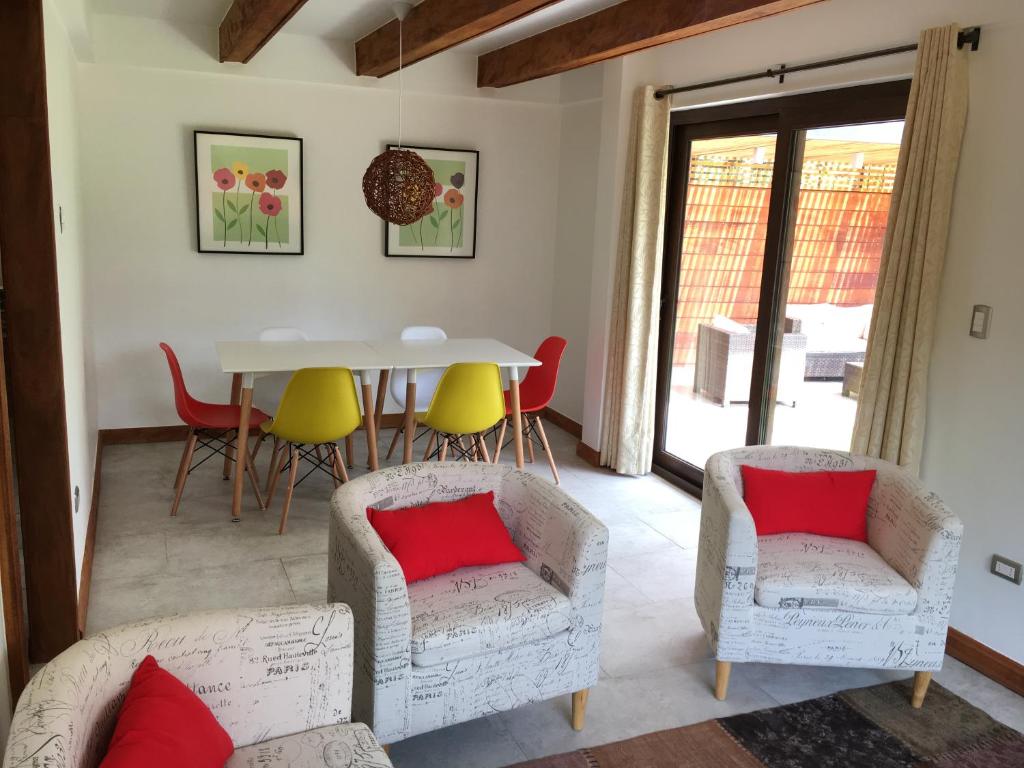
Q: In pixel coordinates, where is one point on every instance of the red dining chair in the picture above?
(210, 426)
(535, 392)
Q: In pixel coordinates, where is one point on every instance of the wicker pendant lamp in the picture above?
(399, 185)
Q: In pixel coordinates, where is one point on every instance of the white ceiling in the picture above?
(347, 19)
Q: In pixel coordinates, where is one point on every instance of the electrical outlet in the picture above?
(1007, 569)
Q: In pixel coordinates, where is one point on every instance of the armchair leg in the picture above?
(722, 671)
(386, 748)
(921, 681)
(579, 708)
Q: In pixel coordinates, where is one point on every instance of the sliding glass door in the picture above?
(776, 218)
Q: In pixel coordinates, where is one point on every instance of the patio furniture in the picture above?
(852, 373)
(278, 680)
(835, 336)
(725, 363)
(802, 599)
(478, 640)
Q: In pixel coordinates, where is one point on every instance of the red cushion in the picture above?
(445, 535)
(163, 724)
(825, 503)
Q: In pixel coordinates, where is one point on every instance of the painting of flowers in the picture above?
(248, 193)
(448, 230)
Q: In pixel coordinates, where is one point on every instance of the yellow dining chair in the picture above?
(468, 401)
(318, 408)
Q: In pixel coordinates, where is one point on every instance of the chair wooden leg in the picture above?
(445, 439)
(483, 447)
(722, 671)
(394, 442)
(528, 437)
(254, 478)
(501, 440)
(462, 445)
(921, 681)
(293, 471)
(341, 465)
(181, 463)
(335, 462)
(430, 445)
(579, 708)
(276, 470)
(186, 462)
(273, 463)
(547, 448)
(259, 444)
(350, 450)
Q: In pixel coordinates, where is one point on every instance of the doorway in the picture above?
(776, 221)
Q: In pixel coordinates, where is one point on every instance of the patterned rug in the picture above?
(868, 727)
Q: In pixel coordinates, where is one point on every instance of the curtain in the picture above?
(891, 403)
(627, 423)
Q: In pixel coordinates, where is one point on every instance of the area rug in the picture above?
(868, 727)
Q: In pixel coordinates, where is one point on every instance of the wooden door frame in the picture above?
(786, 116)
(28, 254)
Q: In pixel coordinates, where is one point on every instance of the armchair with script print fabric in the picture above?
(278, 680)
(797, 598)
(478, 640)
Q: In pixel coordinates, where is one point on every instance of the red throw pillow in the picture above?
(445, 535)
(163, 724)
(825, 503)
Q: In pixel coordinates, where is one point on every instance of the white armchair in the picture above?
(802, 599)
(278, 680)
(479, 640)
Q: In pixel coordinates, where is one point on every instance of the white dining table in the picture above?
(246, 359)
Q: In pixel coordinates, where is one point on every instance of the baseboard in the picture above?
(590, 455)
(178, 432)
(989, 662)
(562, 421)
(85, 582)
(127, 435)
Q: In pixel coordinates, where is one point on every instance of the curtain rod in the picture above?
(970, 36)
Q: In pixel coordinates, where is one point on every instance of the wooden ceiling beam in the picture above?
(624, 28)
(250, 24)
(434, 26)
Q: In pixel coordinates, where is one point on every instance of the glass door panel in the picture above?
(838, 213)
(721, 261)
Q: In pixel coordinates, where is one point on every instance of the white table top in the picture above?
(282, 356)
(440, 353)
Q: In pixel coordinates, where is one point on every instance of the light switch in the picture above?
(979, 321)
(1007, 569)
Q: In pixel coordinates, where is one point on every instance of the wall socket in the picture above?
(1007, 569)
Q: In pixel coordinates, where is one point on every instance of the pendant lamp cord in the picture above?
(401, 90)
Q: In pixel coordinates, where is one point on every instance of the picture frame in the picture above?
(455, 205)
(248, 193)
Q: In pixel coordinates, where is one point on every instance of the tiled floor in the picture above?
(656, 672)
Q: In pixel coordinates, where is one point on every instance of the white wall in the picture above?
(975, 418)
(79, 395)
(147, 283)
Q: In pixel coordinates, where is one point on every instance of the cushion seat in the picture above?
(801, 570)
(347, 745)
(482, 609)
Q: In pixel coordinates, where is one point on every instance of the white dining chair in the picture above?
(426, 380)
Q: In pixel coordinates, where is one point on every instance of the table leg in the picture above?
(382, 393)
(517, 416)
(236, 391)
(410, 415)
(371, 429)
(242, 441)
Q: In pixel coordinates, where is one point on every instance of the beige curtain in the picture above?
(627, 423)
(891, 403)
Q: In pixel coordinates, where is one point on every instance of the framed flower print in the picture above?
(449, 229)
(248, 193)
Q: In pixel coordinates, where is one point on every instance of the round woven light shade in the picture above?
(399, 186)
